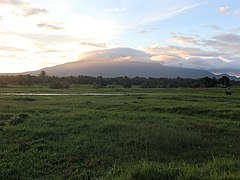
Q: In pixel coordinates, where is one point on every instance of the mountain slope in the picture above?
(122, 62)
(112, 68)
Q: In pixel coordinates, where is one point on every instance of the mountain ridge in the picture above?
(124, 68)
(123, 61)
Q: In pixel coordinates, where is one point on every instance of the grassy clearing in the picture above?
(153, 134)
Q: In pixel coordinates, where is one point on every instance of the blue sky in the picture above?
(186, 33)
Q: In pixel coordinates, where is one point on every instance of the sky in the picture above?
(181, 33)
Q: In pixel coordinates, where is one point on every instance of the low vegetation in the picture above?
(65, 82)
(177, 133)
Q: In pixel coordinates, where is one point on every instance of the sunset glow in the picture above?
(190, 33)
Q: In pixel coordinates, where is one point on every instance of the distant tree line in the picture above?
(65, 82)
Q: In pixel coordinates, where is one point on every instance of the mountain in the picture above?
(121, 68)
(230, 77)
(121, 62)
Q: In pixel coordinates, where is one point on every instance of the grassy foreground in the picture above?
(149, 134)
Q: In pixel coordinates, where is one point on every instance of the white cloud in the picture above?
(224, 10)
(23, 8)
(94, 44)
(214, 27)
(35, 36)
(236, 30)
(237, 12)
(117, 54)
(223, 58)
(51, 26)
(166, 14)
(227, 10)
(13, 2)
(183, 40)
(115, 10)
(31, 11)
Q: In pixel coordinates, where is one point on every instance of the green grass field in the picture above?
(149, 134)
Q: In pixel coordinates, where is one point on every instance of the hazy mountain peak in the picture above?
(117, 54)
(122, 62)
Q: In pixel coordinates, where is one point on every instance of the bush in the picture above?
(18, 119)
(59, 85)
(3, 84)
(148, 170)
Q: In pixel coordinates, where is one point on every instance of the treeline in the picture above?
(66, 82)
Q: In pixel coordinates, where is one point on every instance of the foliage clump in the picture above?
(64, 82)
(18, 119)
(59, 85)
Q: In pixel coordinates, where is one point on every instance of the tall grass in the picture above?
(151, 134)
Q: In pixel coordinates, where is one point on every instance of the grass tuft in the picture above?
(18, 119)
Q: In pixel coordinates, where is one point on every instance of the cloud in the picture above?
(237, 12)
(174, 56)
(163, 58)
(14, 2)
(180, 52)
(49, 26)
(6, 48)
(97, 45)
(224, 43)
(183, 40)
(195, 63)
(214, 27)
(228, 38)
(24, 8)
(224, 10)
(141, 31)
(227, 44)
(117, 54)
(30, 11)
(222, 56)
(237, 30)
(115, 10)
(166, 14)
(177, 56)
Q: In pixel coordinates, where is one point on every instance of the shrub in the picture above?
(148, 170)
(18, 119)
(59, 85)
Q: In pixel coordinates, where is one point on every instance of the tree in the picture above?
(42, 73)
(59, 85)
(224, 81)
(3, 83)
(208, 82)
(127, 82)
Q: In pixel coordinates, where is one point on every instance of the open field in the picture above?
(147, 134)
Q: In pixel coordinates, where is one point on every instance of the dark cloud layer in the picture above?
(228, 38)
